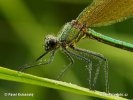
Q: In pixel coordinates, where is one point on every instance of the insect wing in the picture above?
(106, 12)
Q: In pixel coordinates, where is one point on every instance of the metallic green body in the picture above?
(110, 41)
(70, 34)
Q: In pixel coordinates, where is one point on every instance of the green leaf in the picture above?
(12, 75)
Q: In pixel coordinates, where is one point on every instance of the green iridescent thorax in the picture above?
(70, 33)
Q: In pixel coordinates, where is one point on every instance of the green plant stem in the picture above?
(110, 41)
(11, 75)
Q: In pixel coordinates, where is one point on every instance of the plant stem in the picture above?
(11, 75)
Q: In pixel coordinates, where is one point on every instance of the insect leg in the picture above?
(89, 66)
(30, 66)
(87, 52)
(66, 67)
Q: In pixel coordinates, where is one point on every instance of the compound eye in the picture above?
(50, 43)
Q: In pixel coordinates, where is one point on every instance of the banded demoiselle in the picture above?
(99, 13)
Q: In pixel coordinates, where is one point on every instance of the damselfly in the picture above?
(99, 13)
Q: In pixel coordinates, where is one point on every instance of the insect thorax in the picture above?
(71, 33)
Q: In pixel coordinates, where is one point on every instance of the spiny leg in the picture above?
(96, 75)
(84, 59)
(98, 68)
(30, 66)
(106, 76)
(87, 52)
(66, 67)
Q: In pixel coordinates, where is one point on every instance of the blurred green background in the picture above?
(23, 26)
